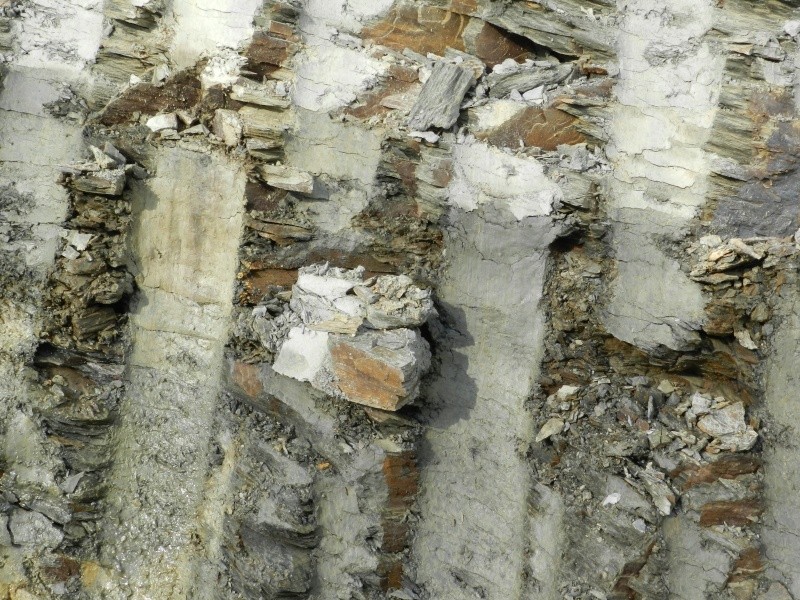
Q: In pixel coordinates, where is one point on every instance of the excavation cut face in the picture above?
(356, 339)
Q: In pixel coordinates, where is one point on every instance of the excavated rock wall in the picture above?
(221, 225)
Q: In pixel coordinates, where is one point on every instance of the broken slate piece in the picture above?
(303, 354)
(227, 126)
(286, 178)
(500, 85)
(30, 528)
(440, 99)
(106, 183)
(549, 429)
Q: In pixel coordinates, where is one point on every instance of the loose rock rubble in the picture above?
(354, 337)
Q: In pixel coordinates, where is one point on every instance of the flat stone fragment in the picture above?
(258, 93)
(286, 178)
(501, 84)
(728, 427)
(398, 303)
(321, 297)
(107, 182)
(164, 121)
(380, 369)
(439, 101)
(549, 429)
(30, 528)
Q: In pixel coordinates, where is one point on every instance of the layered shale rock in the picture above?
(398, 299)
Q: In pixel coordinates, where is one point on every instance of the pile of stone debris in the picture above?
(348, 336)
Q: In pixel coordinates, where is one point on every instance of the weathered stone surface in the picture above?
(30, 528)
(380, 369)
(734, 513)
(227, 126)
(527, 77)
(106, 182)
(728, 427)
(440, 99)
(287, 178)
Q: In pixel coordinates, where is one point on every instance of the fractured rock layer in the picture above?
(395, 299)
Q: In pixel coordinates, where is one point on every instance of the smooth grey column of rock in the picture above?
(474, 488)
(663, 116)
(781, 522)
(187, 222)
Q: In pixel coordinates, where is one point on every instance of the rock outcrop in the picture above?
(399, 299)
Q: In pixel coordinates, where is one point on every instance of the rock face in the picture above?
(399, 299)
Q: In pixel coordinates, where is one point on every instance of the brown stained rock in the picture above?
(391, 573)
(735, 513)
(401, 474)
(545, 128)
(267, 52)
(427, 29)
(92, 320)
(256, 283)
(399, 81)
(365, 379)
(282, 234)
(104, 183)
(247, 378)
(264, 198)
(182, 91)
(748, 563)
(727, 467)
(421, 28)
(492, 44)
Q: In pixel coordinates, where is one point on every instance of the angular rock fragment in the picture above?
(30, 528)
(320, 297)
(303, 354)
(355, 342)
(227, 126)
(259, 93)
(106, 182)
(398, 303)
(258, 122)
(728, 427)
(526, 78)
(440, 99)
(264, 149)
(282, 234)
(380, 369)
(549, 429)
(286, 178)
(161, 122)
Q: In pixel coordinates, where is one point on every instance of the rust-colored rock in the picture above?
(267, 52)
(727, 467)
(182, 91)
(545, 128)
(366, 379)
(737, 513)
(431, 29)
(748, 563)
(256, 283)
(246, 377)
(421, 28)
